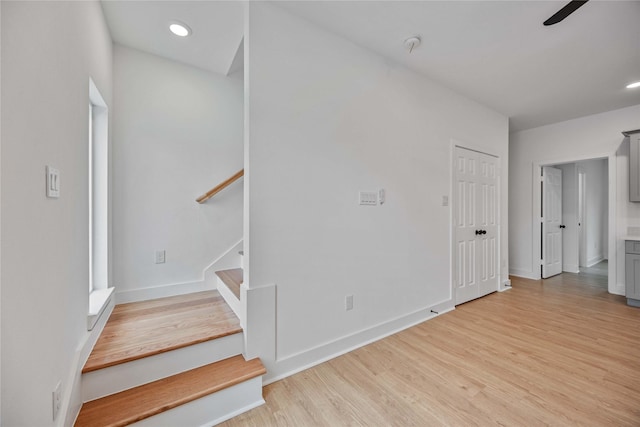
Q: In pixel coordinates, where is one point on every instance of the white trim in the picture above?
(143, 294)
(98, 300)
(207, 281)
(506, 285)
(593, 261)
(571, 268)
(72, 396)
(232, 301)
(306, 359)
(229, 259)
(525, 274)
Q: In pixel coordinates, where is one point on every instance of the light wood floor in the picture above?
(140, 329)
(559, 352)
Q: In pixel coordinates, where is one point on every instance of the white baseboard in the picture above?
(144, 294)
(505, 286)
(230, 259)
(593, 261)
(207, 282)
(72, 390)
(525, 274)
(292, 364)
(571, 268)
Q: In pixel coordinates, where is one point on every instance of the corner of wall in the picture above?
(72, 399)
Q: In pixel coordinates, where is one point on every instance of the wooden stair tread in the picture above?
(233, 278)
(150, 399)
(141, 329)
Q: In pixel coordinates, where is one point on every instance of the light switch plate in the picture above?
(161, 257)
(53, 182)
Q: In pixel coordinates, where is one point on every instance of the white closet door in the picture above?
(476, 225)
(551, 221)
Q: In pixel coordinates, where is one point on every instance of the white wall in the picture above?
(327, 119)
(596, 174)
(584, 138)
(177, 133)
(49, 51)
(570, 239)
(0, 215)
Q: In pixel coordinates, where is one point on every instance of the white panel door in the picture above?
(475, 224)
(551, 221)
(488, 223)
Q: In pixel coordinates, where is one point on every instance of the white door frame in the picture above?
(582, 217)
(452, 207)
(535, 204)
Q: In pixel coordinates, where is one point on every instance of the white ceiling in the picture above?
(217, 30)
(496, 52)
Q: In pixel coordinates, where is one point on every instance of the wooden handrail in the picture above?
(215, 190)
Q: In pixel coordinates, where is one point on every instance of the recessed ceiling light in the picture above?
(179, 29)
(633, 85)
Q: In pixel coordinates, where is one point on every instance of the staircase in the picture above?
(229, 282)
(170, 361)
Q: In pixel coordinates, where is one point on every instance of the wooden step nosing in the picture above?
(231, 279)
(248, 370)
(212, 409)
(114, 379)
(90, 367)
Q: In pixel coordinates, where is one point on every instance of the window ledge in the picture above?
(98, 300)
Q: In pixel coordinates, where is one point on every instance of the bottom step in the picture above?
(165, 396)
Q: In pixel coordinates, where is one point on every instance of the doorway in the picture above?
(577, 193)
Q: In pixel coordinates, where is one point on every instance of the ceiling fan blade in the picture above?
(571, 7)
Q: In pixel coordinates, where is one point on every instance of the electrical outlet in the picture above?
(348, 302)
(161, 257)
(57, 399)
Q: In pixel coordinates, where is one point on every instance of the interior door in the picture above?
(488, 223)
(551, 221)
(476, 225)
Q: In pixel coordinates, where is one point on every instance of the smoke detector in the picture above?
(412, 43)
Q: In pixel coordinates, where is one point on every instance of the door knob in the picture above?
(478, 232)
(484, 231)
(562, 226)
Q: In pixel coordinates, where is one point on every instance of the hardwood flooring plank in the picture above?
(561, 352)
(141, 329)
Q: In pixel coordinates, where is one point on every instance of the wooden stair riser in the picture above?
(212, 409)
(113, 379)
